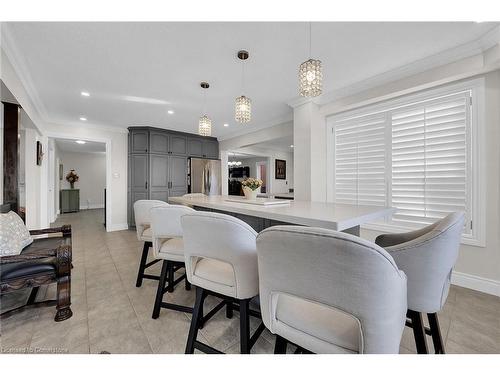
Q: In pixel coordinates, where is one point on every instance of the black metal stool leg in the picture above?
(435, 329)
(170, 287)
(229, 309)
(244, 327)
(418, 331)
(197, 315)
(187, 284)
(280, 345)
(142, 264)
(160, 289)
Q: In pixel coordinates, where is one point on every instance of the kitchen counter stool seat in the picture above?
(144, 234)
(329, 292)
(427, 256)
(221, 260)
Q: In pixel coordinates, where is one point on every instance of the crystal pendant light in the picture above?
(310, 75)
(205, 124)
(243, 104)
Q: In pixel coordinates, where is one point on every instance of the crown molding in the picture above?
(463, 51)
(19, 65)
(249, 130)
(74, 126)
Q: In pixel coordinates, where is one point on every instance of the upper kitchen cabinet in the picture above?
(138, 141)
(203, 148)
(178, 145)
(210, 149)
(159, 142)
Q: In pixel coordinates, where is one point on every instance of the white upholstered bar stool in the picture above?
(427, 256)
(221, 260)
(329, 292)
(168, 246)
(143, 228)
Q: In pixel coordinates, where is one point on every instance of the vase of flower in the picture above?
(250, 187)
(72, 177)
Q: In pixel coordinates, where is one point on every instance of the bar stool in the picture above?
(427, 256)
(329, 292)
(168, 246)
(221, 260)
(143, 229)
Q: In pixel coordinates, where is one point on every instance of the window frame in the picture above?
(476, 178)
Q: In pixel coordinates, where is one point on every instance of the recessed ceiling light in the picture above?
(170, 112)
(85, 93)
(80, 142)
(291, 146)
(226, 125)
(83, 119)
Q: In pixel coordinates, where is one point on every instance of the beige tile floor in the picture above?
(111, 314)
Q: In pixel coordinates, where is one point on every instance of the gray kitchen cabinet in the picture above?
(70, 200)
(158, 159)
(195, 147)
(138, 169)
(139, 142)
(178, 173)
(210, 149)
(159, 180)
(159, 142)
(178, 145)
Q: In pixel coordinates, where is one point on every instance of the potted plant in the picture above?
(72, 177)
(250, 186)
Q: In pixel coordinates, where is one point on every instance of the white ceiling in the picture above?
(69, 145)
(135, 72)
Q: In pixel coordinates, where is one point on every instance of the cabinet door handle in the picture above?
(146, 185)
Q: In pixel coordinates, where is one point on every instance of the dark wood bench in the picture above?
(47, 260)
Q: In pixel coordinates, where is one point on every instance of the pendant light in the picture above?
(205, 124)
(243, 105)
(310, 74)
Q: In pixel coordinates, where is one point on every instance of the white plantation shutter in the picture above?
(360, 159)
(414, 156)
(429, 159)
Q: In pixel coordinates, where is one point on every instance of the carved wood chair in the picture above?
(47, 260)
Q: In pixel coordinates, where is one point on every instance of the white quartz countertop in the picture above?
(320, 214)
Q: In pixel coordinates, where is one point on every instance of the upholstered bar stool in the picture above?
(143, 229)
(427, 256)
(168, 246)
(221, 260)
(329, 292)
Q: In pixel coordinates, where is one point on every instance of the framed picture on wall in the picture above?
(280, 169)
(39, 153)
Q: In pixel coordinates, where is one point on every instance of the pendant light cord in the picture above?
(242, 77)
(310, 39)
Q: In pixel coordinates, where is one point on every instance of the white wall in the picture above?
(275, 186)
(91, 168)
(476, 267)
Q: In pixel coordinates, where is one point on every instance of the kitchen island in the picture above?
(340, 217)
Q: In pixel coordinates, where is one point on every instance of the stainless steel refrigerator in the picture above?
(204, 176)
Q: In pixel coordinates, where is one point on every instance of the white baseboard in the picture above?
(91, 206)
(480, 284)
(116, 227)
